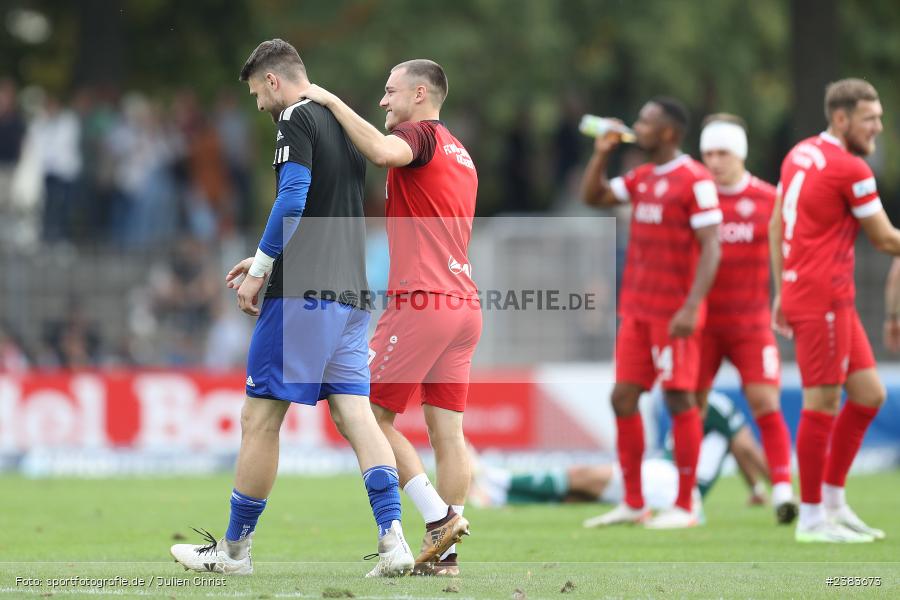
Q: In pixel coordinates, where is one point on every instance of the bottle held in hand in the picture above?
(594, 126)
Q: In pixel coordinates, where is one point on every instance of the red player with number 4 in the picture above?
(827, 191)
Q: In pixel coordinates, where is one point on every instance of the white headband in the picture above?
(721, 135)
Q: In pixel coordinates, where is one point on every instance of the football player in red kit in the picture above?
(423, 344)
(826, 193)
(738, 318)
(673, 253)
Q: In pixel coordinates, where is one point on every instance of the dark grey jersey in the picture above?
(326, 257)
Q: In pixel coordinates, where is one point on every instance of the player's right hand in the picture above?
(235, 276)
(779, 321)
(317, 94)
(608, 142)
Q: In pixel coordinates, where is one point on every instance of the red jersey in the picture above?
(739, 298)
(430, 208)
(824, 190)
(669, 202)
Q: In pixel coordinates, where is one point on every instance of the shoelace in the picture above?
(208, 537)
(370, 556)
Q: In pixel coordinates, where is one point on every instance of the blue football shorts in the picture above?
(304, 350)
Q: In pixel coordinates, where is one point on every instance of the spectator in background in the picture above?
(74, 342)
(209, 200)
(234, 133)
(518, 168)
(146, 206)
(567, 142)
(186, 290)
(226, 341)
(12, 355)
(57, 136)
(100, 120)
(12, 136)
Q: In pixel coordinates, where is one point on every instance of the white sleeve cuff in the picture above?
(868, 209)
(706, 218)
(619, 190)
(262, 264)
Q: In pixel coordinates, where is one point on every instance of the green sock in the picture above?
(539, 486)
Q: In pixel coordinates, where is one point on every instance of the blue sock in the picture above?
(245, 511)
(383, 486)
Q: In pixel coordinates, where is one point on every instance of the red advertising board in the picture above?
(146, 409)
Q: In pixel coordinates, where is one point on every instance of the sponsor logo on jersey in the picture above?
(745, 207)
(648, 212)
(807, 155)
(279, 136)
(864, 187)
(660, 188)
(789, 276)
(462, 155)
(736, 233)
(456, 267)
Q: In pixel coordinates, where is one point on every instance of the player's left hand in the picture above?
(892, 334)
(233, 277)
(248, 294)
(317, 94)
(683, 323)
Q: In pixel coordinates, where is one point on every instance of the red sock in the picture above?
(813, 434)
(687, 433)
(849, 430)
(630, 444)
(776, 442)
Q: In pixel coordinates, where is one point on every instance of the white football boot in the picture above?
(395, 559)
(674, 518)
(212, 557)
(620, 515)
(829, 533)
(845, 517)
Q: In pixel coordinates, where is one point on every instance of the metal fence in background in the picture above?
(94, 305)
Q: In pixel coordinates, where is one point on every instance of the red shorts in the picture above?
(753, 352)
(830, 346)
(645, 352)
(423, 344)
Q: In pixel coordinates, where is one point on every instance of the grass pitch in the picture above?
(312, 537)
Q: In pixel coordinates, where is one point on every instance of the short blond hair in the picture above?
(846, 94)
(429, 71)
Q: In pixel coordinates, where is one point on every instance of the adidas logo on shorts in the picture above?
(250, 382)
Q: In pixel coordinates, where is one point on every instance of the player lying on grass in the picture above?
(725, 432)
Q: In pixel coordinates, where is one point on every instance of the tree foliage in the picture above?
(504, 58)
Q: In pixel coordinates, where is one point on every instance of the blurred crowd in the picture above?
(122, 168)
(166, 188)
(168, 183)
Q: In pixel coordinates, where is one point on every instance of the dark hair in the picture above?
(675, 112)
(846, 93)
(725, 118)
(277, 56)
(431, 72)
